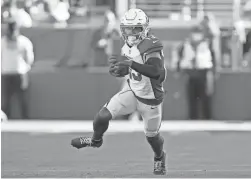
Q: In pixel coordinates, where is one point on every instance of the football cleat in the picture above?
(81, 142)
(160, 165)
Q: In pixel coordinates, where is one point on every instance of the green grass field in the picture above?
(190, 154)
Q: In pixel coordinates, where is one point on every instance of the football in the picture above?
(118, 71)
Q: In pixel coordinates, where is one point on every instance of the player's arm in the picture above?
(29, 54)
(152, 67)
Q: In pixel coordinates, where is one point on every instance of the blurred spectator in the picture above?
(186, 10)
(180, 10)
(210, 26)
(195, 60)
(102, 40)
(79, 8)
(247, 10)
(10, 9)
(4, 118)
(41, 11)
(227, 41)
(247, 44)
(238, 44)
(239, 27)
(61, 12)
(28, 5)
(242, 36)
(247, 59)
(247, 50)
(211, 31)
(17, 57)
(246, 19)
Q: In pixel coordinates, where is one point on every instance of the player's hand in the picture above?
(127, 63)
(114, 68)
(114, 71)
(112, 60)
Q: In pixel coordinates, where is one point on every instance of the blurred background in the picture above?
(72, 40)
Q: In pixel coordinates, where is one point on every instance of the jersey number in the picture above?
(136, 77)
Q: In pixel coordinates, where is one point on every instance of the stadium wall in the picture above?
(77, 94)
(58, 93)
(53, 44)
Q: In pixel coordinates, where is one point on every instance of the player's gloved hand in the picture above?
(125, 63)
(115, 69)
(113, 60)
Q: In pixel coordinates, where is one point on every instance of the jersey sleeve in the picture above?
(149, 45)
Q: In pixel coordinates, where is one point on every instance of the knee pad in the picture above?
(151, 134)
(152, 137)
(103, 116)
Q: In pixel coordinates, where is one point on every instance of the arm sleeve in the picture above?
(152, 67)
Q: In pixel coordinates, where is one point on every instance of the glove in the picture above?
(115, 70)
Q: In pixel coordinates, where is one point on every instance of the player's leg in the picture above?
(152, 116)
(101, 121)
(100, 125)
(122, 103)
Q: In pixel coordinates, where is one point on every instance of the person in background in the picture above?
(209, 26)
(211, 31)
(11, 10)
(4, 118)
(40, 12)
(247, 50)
(196, 61)
(247, 44)
(61, 12)
(17, 57)
(103, 38)
(246, 19)
(28, 5)
(80, 8)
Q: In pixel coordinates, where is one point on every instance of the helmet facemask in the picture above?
(133, 34)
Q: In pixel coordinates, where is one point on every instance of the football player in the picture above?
(143, 63)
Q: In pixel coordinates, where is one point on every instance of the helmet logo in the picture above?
(131, 16)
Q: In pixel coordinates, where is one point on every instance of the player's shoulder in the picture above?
(150, 44)
(25, 40)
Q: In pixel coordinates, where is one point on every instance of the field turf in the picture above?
(190, 154)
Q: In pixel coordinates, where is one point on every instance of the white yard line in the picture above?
(57, 126)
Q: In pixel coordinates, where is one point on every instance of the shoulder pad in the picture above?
(150, 44)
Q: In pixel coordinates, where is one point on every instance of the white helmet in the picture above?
(134, 26)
